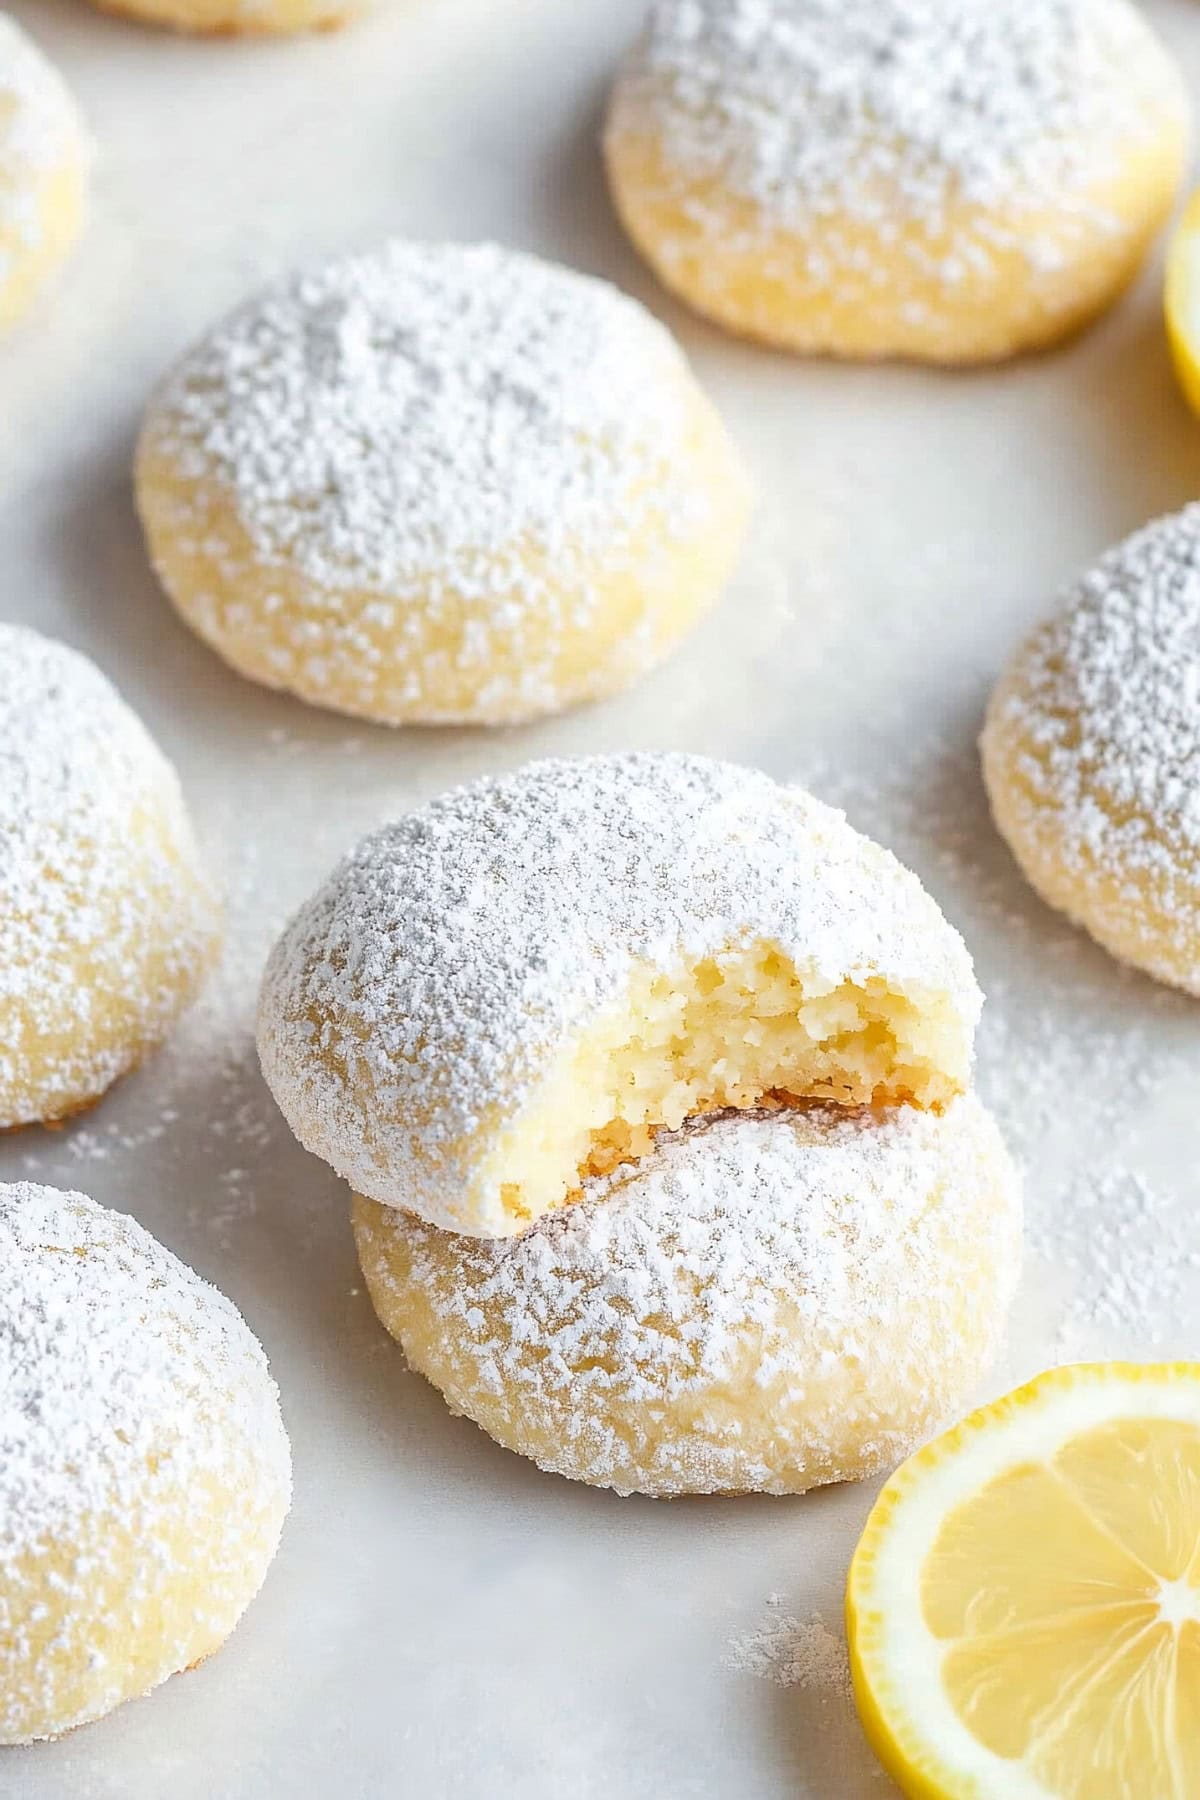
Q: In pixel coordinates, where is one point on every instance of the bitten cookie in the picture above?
(521, 983)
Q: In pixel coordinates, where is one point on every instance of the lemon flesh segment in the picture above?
(1183, 301)
(1024, 1607)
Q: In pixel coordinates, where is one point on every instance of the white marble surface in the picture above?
(443, 1620)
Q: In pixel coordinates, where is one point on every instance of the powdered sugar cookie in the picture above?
(239, 18)
(1092, 752)
(951, 180)
(435, 484)
(520, 983)
(44, 160)
(108, 922)
(766, 1303)
(145, 1472)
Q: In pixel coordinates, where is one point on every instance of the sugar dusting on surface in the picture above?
(618, 1330)
(794, 1653)
(449, 962)
(1088, 1067)
(126, 1384)
(1125, 1250)
(866, 109)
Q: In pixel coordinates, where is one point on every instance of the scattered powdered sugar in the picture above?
(450, 961)
(40, 129)
(434, 419)
(1100, 718)
(1087, 1066)
(794, 1653)
(106, 921)
(1127, 1252)
(126, 1384)
(764, 1302)
(862, 109)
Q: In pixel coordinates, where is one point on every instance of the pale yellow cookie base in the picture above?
(464, 660)
(849, 289)
(1147, 918)
(152, 941)
(31, 259)
(236, 18)
(112, 1612)
(839, 1411)
(738, 1030)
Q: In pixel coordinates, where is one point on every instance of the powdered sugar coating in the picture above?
(764, 1303)
(107, 922)
(425, 409)
(864, 108)
(40, 131)
(436, 467)
(414, 1004)
(131, 1395)
(1092, 747)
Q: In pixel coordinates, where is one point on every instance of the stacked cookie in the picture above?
(652, 1081)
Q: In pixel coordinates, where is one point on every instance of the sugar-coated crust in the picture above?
(144, 1468)
(440, 484)
(1091, 752)
(915, 178)
(45, 157)
(765, 1304)
(411, 1008)
(108, 922)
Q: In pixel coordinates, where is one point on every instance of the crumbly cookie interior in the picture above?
(744, 1029)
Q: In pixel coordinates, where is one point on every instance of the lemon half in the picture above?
(1024, 1605)
(1183, 300)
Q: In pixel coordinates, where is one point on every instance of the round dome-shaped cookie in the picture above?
(145, 1472)
(45, 156)
(946, 180)
(519, 984)
(1091, 752)
(238, 18)
(768, 1302)
(440, 485)
(108, 922)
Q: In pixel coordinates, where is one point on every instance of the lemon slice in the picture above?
(1183, 300)
(1024, 1605)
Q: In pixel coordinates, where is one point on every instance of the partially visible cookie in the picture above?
(766, 1303)
(1091, 752)
(108, 919)
(145, 1472)
(45, 159)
